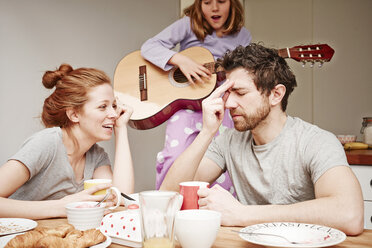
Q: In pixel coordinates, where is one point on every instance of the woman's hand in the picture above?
(192, 70)
(124, 112)
(87, 195)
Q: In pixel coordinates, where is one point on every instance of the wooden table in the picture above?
(228, 239)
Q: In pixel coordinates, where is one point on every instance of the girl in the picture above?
(216, 25)
(50, 168)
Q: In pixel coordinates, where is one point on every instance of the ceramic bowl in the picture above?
(346, 138)
(84, 215)
(197, 228)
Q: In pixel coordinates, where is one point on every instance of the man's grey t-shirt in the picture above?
(51, 175)
(283, 171)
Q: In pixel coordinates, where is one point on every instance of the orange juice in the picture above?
(158, 243)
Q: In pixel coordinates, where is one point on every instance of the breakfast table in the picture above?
(227, 238)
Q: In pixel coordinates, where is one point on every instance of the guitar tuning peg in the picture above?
(320, 64)
(311, 64)
(303, 64)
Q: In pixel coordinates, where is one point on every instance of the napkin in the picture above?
(123, 227)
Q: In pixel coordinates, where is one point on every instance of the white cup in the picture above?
(197, 228)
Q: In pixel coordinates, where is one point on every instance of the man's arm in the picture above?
(185, 168)
(338, 203)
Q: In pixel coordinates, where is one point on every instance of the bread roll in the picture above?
(26, 240)
(63, 236)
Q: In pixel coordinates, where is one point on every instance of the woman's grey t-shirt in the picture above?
(283, 171)
(51, 175)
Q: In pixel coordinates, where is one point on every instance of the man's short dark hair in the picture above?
(265, 65)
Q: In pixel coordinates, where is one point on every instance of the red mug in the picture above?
(189, 192)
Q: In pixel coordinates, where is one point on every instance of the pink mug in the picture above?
(189, 191)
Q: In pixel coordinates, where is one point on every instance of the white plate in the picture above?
(4, 240)
(15, 225)
(309, 235)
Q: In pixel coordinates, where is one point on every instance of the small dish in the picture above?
(346, 138)
(85, 215)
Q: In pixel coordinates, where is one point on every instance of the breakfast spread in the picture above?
(62, 236)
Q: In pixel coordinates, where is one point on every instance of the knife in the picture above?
(128, 197)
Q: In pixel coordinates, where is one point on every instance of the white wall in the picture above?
(337, 96)
(39, 35)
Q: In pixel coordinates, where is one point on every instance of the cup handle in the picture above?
(118, 197)
(180, 201)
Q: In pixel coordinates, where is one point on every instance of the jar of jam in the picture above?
(366, 130)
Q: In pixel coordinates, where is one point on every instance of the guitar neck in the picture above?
(308, 53)
(211, 67)
(284, 53)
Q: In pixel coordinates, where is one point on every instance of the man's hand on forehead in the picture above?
(222, 90)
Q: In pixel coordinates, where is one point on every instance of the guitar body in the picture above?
(166, 91)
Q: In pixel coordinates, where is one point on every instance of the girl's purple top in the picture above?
(185, 125)
(157, 49)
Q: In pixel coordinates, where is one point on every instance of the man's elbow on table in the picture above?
(352, 221)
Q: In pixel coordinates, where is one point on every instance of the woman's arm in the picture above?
(123, 176)
(13, 175)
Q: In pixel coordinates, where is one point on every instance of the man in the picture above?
(282, 168)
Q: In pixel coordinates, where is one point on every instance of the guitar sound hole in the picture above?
(179, 77)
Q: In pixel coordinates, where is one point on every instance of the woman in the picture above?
(213, 24)
(50, 168)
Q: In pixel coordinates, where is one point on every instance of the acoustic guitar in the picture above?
(156, 95)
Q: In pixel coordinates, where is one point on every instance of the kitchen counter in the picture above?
(359, 157)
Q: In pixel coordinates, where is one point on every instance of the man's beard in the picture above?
(252, 121)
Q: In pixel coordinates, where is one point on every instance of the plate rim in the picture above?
(32, 225)
(303, 225)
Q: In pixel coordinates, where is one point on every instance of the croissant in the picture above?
(59, 231)
(26, 240)
(74, 235)
(53, 242)
(63, 236)
(91, 237)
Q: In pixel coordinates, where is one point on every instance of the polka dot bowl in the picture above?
(346, 138)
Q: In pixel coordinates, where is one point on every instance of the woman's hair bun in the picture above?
(51, 78)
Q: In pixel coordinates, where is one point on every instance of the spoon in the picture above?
(104, 199)
(269, 234)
